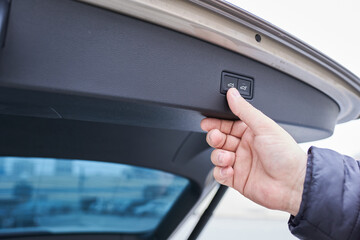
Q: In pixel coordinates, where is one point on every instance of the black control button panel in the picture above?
(244, 84)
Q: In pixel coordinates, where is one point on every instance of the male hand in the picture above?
(256, 157)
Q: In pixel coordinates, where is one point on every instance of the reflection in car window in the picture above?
(58, 195)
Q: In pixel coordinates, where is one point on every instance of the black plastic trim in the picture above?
(208, 213)
(97, 54)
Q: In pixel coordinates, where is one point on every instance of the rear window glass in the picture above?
(61, 196)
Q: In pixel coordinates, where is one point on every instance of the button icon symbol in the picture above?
(244, 88)
(231, 85)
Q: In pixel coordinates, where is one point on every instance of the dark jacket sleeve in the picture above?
(331, 198)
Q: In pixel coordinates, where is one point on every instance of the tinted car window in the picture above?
(59, 195)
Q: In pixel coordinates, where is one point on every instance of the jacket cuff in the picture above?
(299, 225)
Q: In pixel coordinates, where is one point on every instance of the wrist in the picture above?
(297, 189)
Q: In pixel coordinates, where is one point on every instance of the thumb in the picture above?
(252, 117)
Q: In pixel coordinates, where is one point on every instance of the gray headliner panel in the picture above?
(69, 47)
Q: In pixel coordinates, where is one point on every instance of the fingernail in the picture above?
(220, 158)
(235, 92)
(210, 138)
(223, 172)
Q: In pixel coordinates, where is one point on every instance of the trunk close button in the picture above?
(227, 83)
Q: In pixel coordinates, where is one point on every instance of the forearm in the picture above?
(331, 198)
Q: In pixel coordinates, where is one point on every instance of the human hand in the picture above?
(256, 156)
